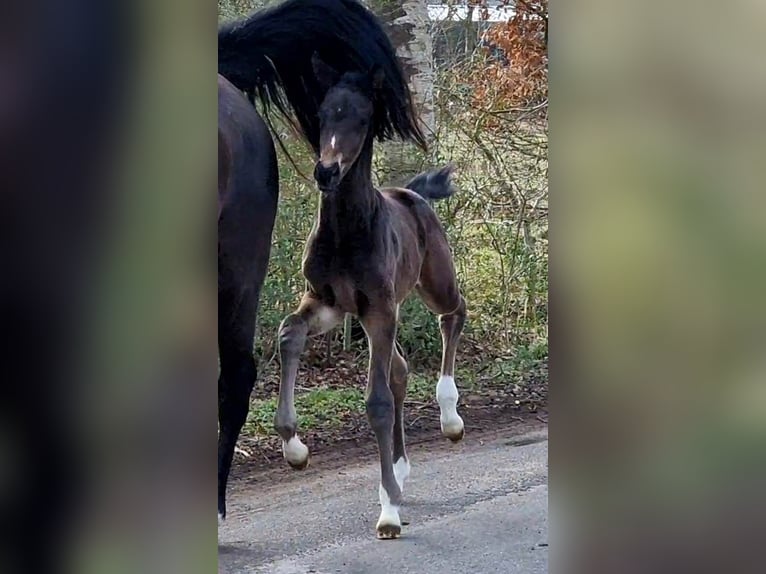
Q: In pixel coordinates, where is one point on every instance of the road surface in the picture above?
(479, 506)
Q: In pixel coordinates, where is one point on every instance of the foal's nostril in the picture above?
(324, 175)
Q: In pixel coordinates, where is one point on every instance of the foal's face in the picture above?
(344, 120)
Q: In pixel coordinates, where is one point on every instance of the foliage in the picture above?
(233, 9)
(316, 408)
(515, 71)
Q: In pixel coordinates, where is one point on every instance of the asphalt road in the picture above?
(480, 506)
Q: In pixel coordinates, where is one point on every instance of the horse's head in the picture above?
(345, 121)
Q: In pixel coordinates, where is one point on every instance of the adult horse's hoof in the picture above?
(388, 531)
(296, 453)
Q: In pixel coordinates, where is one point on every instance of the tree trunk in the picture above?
(408, 27)
(411, 37)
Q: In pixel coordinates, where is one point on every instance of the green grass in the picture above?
(325, 408)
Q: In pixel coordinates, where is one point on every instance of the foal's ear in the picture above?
(325, 74)
(378, 76)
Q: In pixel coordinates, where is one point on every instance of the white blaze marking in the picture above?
(447, 396)
(389, 513)
(401, 471)
(332, 142)
(295, 451)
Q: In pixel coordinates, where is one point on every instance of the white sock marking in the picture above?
(295, 451)
(401, 471)
(447, 396)
(389, 513)
(220, 519)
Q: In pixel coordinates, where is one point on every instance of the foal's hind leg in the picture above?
(438, 289)
(311, 318)
(398, 384)
(451, 325)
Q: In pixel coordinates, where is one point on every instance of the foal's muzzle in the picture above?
(327, 177)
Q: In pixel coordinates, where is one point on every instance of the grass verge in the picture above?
(326, 405)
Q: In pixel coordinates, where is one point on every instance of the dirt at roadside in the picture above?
(331, 450)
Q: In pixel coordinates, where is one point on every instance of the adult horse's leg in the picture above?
(248, 194)
(380, 325)
(236, 330)
(398, 384)
(438, 289)
(242, 265)
(310, 319)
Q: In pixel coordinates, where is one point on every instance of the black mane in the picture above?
(269, 55)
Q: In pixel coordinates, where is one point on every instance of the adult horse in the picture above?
(269, 56)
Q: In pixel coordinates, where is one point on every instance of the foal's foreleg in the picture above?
(312, 318)
(451, 325)
(380, 325)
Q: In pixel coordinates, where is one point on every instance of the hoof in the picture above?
(388, 531)
(456, 437)
(453, 428)
(299, 465)
(296, 453)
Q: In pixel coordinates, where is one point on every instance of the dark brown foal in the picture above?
(368, 250)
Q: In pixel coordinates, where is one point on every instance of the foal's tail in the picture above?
(434, 184)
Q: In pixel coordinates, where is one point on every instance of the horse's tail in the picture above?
(434, 184)
(269, 55)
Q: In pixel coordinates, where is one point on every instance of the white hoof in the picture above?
(295, 452)
(447, 396)
(389, 524)
(452, 427)
(220, 519)
(401, 472)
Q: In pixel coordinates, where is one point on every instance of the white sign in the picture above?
(459, 13)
